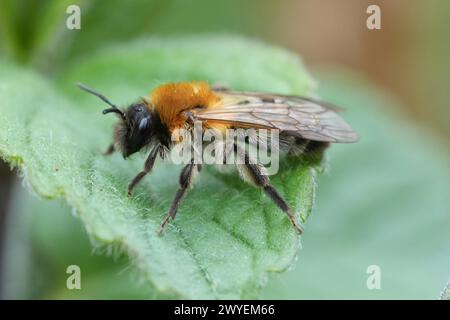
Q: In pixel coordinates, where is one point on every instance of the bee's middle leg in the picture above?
(186, 179)
(148, 166)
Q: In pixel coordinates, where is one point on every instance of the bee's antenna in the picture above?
(102, 97)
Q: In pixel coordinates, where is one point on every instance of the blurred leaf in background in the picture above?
(35, 31)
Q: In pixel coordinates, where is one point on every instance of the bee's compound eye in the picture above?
(143, 124)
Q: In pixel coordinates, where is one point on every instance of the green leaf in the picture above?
(37, 256)
(227, 235)
(383, 202)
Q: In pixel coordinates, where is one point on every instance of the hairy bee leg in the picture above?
(110, 150)
(255, 175)
(148, 166)
(186, 178)
(263, 182)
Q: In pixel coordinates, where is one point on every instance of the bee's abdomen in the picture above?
(299, 146)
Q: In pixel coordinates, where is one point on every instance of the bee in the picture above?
(303, 124)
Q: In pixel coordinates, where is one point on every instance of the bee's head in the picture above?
(134, 129)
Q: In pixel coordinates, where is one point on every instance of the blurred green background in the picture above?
(383, 201)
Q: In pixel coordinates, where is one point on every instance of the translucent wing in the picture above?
(292, 115)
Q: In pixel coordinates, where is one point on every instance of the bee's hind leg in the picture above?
(186, 179)
(253, 173)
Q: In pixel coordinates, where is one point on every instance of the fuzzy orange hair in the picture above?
(171, 99)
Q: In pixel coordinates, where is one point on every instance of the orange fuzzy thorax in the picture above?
(171, 99)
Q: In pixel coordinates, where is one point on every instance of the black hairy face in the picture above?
(135, 131)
